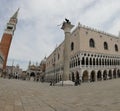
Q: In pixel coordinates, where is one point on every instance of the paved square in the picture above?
(17, 95)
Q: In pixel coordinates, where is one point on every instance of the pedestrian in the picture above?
(76, 83)
(50, 83)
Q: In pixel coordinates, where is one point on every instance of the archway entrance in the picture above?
(92, 76)
(99, 76)
(32, 76)
(105, 75)
(85, 76)
(110, 74)
(118, 73)
(114, 73)
(77, 76)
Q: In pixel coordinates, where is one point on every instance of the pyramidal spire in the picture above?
(15, 14)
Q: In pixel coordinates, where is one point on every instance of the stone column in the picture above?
(67, 26)
(89, 77)
(102, 75)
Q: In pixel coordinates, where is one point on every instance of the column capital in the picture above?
(67, 26)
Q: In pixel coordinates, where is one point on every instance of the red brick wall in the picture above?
(4, 46)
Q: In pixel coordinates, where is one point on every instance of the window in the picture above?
(116, 48)
(91, 43)
(72, 46)
(105, 46)
(83, 61)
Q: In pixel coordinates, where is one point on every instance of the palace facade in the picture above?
(94, 56)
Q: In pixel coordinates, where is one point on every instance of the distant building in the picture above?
(94, 56)
(36, 72)
(23, 76)
(13, 71)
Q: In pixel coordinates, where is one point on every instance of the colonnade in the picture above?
(90, 67)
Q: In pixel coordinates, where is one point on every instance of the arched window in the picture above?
(105, 46)
(86, 61)
(83, 61)
(72, 46)
(91, 43)
(116, 47)
(100, 61)
(90, 61)
(97, 61)
(93, 61)
(78, 61)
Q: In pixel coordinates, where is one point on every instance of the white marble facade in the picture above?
(94, 56)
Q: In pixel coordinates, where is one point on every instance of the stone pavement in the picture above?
(18, 95)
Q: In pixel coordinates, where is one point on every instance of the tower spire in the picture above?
(15, 14)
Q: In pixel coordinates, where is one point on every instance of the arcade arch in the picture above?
(92, 76)
(85, 76)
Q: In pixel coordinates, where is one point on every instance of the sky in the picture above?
(38, 32)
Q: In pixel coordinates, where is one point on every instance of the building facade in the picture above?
(94, 56)
(36, 72)
(13, 72)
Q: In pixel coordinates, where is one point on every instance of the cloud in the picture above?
(37, 32)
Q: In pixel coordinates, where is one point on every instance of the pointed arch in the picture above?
(72, 46)
(114, 73)
(99, 75)
(116, 47)
(85, 76)
(83, 61)
(110, 74)
(92, 76)
(73, 77)
(91, 43)
(105, 75)
(118, 73)
(105, 45)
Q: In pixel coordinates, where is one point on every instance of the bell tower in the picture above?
(7, 37)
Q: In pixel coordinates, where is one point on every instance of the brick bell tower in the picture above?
(7, 37)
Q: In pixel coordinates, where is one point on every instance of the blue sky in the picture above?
(37, 33)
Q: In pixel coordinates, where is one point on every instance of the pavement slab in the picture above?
(18, 95)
